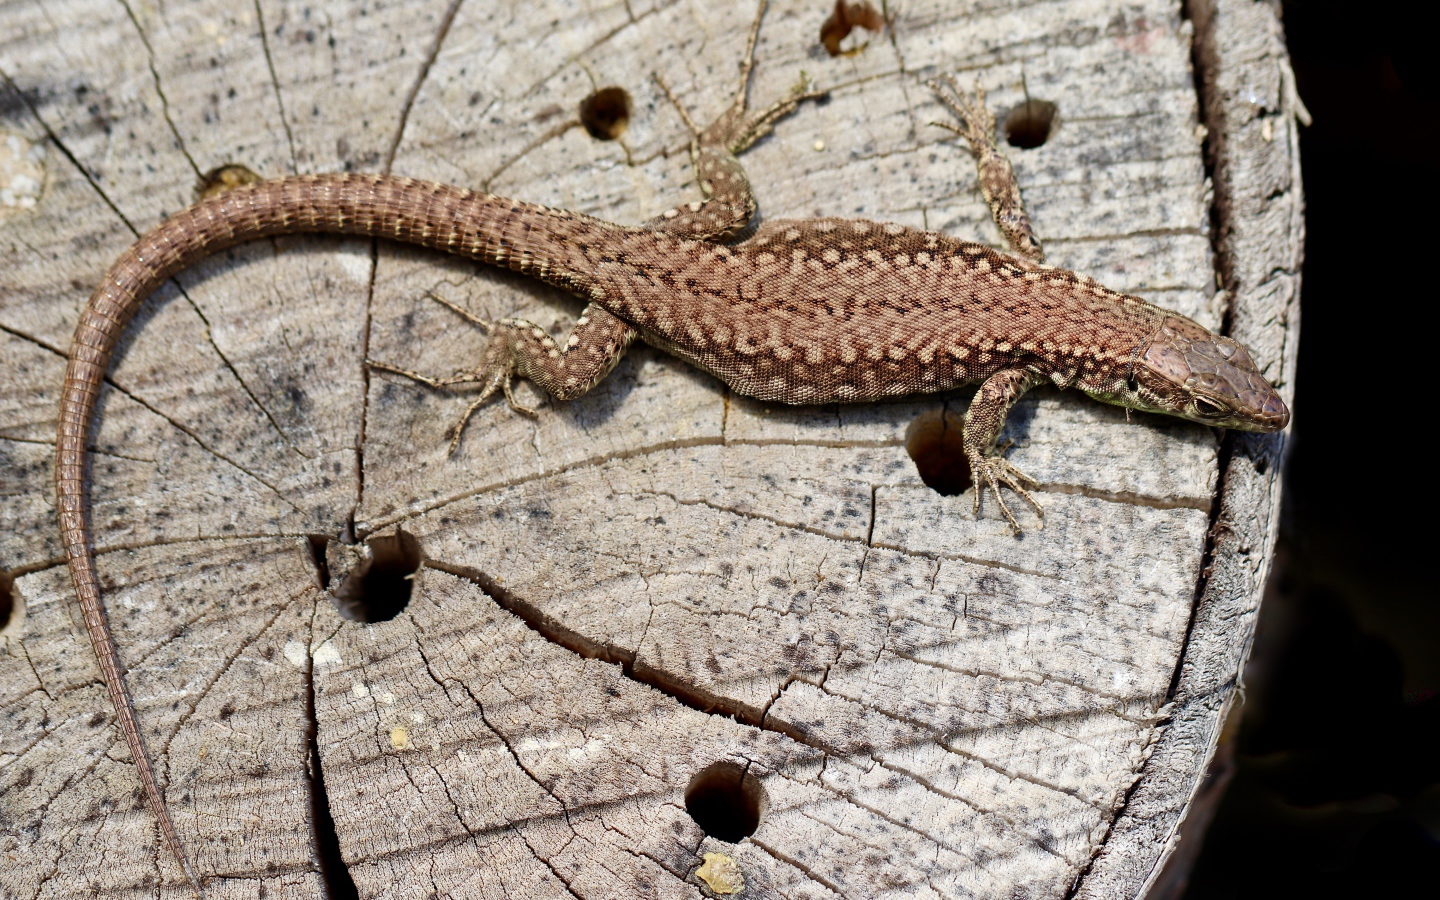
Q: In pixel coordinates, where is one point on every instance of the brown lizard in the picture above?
(811, 311)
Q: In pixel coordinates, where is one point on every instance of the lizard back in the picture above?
(848, 310)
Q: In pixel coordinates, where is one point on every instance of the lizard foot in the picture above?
(496, 371)
(977, 123)
(993, 472)
(738, 133)
(734, 130)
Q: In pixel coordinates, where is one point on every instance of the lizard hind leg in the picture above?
(997, 177)
(520, 348)
(729, 202)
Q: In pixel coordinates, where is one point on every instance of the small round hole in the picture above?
(7, 599)
(379, 586)
(725, 802)
(605, 113)
(1030, 124)
(935, 441)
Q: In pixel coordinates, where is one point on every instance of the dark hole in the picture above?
(934, 442)
(605, 113)
(1030, 124)
(7, 599)
(725, 802)
(223, 178)
(379, 587)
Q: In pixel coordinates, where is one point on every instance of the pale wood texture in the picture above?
(658, 576)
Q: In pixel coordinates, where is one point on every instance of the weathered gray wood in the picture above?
(641, 583)
(1253, 113)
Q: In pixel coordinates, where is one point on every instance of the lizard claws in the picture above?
(496, 378)
(484, 325)
(976, 120)
(994, 472)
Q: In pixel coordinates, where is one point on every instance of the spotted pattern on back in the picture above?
(834, 309)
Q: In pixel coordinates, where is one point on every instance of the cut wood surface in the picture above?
(657, 588)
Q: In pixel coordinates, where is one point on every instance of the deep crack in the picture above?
(334, 874)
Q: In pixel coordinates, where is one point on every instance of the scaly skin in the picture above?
(803, 312)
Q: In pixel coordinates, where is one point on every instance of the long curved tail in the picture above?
(520, 236)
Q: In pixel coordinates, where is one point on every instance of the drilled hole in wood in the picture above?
(379, 585)
(1030, 124)
(605, 113)
(7, 599)
(725, 802)
(934, 441)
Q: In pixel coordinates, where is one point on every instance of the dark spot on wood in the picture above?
(843, 19)
(379, 588)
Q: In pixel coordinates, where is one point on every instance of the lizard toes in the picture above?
(992, 474)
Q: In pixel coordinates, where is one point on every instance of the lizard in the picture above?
(809, 311)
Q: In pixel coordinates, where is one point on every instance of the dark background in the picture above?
(1336, 757)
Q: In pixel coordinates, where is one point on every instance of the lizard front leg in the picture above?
(729, 202)
(519, 347)
(983, 423)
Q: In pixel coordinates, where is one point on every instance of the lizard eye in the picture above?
(1208, 408)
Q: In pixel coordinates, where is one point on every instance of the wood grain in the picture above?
(649, 580)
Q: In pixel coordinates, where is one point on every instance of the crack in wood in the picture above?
(159, 90)
(335, 875)
(275, 84)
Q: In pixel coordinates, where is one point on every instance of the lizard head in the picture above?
(1186, 371)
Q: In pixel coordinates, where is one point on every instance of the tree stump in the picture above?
(660, 641)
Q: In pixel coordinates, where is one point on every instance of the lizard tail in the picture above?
(520, 236)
